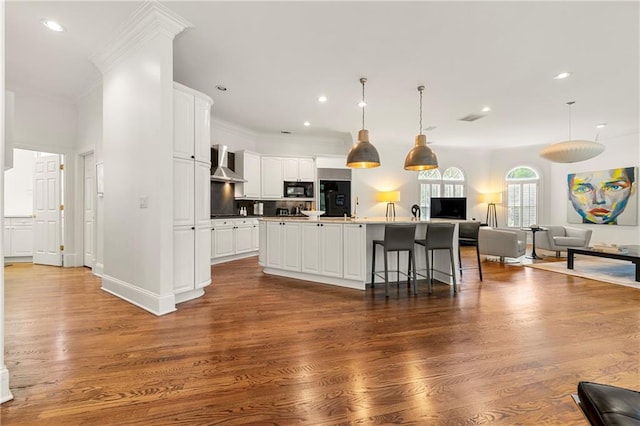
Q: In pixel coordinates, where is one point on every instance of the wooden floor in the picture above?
(258, 349)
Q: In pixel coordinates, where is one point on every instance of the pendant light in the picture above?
(572, 151)
(363, 155)
(421, 157)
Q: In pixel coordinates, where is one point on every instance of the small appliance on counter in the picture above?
(281, 211)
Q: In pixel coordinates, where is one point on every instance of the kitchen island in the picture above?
(338, 251)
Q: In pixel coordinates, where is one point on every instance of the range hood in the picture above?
(222, 172)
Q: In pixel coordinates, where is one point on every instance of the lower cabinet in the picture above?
(322, 249)
(231, 237)
(192, 266)
(18, 237)
(355, 251)
(283, 246)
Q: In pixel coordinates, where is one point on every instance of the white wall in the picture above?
(621, 151)
(235, 137)
(18, 184)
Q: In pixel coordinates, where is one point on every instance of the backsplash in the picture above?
(222, 198)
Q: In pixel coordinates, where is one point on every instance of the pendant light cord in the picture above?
(363, 80)
(420, 89)
(570, 103)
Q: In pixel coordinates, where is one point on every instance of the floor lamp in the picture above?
(492, 199)
(391, 198)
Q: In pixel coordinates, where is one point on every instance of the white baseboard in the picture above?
(219, 260)
(341, 282)
(150, 302)
(98, 269)
(189, 295)
(5, 392)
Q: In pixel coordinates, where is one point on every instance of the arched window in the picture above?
(522, 196)
(435, 184)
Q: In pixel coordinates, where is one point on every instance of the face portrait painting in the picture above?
(601, 197)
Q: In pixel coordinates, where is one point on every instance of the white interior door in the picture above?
(46, 206)
(89, 210)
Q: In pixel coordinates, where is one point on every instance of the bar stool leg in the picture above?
(479, 264)
(373, 266)
(412, 259)
(426, 258)
(386, 275)
(453, 271)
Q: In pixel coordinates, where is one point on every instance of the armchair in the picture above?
(559, 238)
(502, 242)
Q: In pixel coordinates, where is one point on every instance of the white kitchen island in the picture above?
(338, 251)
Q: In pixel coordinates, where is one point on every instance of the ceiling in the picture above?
(276, 58)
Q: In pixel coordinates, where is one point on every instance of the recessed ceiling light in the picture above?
(221, 88)
(307, 124)
(322, 99)
(601, 125)
(362, 104)
(562, 75)
(486, 109)
(52, 25)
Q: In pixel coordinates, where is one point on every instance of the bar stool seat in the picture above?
(397, 238)
(439, 236)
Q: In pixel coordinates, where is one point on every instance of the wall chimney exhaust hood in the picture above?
(222, 172)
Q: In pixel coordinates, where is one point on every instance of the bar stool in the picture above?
(468, 236)
(439, 236)
(397, 238)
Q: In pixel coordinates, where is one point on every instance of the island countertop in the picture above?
(357, 221)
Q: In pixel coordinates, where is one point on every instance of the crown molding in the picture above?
(234, 129)
(150, 20)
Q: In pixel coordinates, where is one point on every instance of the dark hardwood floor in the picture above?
(258, 349)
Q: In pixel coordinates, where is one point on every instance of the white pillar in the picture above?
(137, 153)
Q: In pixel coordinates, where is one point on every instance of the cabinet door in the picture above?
(202, 185)
(255, 237)
(202, 130)
(203, 256)
(183, 259)
(21, 238)
(262, 247)
(224, 236)
(252, 175)
(291, 252)
(243, 235)
(183, 192)
(275, 240)
(355, 252)
(183, 125)
(7, 237)
(331, 257)
(306, 170)
(290, 169)
(272, 182)
(310, 241)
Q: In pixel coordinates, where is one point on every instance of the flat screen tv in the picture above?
(449, 208)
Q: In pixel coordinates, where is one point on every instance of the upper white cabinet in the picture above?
(191, 192)
(272, 177)
(299, 169)
(248, 165)
(191, 124)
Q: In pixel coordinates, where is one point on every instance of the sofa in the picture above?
(559, 238)
(502, 242)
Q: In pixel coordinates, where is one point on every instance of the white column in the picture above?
(137, 153)
(5, 392)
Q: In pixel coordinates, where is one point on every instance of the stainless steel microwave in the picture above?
(298, 189)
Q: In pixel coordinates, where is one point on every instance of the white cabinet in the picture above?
(320, 253)
(355, 251)
(191, 191)
(283, 246)
(234, 237)
(298, 169)
(248, 165)
(272, 177)
(18, 237)
(255, 236)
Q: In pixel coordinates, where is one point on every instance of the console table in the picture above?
(632, 255)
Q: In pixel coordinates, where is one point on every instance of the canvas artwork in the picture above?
(603, 197)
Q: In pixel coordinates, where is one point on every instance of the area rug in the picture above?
(610, 271)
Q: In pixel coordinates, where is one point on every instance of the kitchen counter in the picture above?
(338, 251)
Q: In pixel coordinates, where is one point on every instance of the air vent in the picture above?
(472, 117)
(285, 132)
